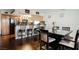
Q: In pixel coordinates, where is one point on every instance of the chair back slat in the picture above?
(66, 28)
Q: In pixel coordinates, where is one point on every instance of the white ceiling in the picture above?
(41, 10)
(56, 10)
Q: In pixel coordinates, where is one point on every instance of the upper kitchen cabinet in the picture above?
(37, 18)
(32, 18)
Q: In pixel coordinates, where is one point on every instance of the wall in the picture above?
(63, 18)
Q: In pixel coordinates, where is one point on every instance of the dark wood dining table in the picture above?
(58, 35)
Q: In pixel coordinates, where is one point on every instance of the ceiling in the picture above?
(40, 10)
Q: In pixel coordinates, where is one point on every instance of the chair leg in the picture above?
(47, 46)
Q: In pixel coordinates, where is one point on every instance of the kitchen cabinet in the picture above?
(37, 18)
(5, 25)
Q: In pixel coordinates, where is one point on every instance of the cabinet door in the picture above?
(37, 18)
(5, 25)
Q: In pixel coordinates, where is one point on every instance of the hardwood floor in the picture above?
(4, 40)
(30, 46)
(8, 42)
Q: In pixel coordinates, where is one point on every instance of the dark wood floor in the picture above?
(8, 42)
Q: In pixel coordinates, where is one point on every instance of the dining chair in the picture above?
(78, 44)
(69, 43)
(67, 35)
(45, 40)
(66, 28)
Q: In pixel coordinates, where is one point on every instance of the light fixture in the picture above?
(37, 13)
(25, 16)
(27, 11)
(36, 22)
